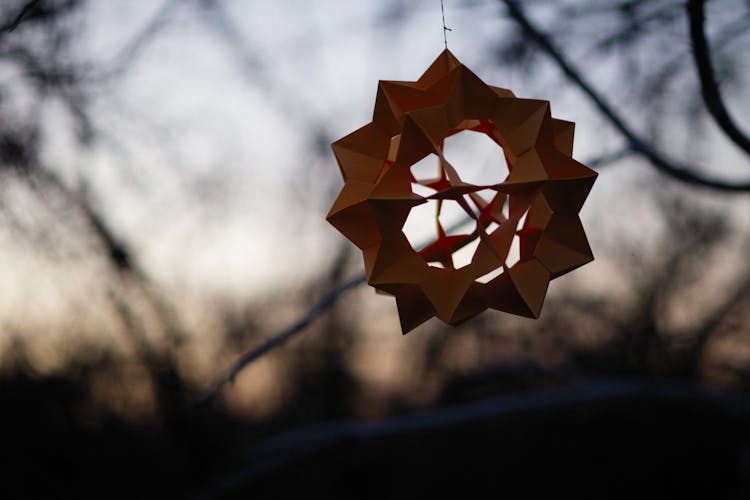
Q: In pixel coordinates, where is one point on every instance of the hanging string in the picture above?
(445, 28)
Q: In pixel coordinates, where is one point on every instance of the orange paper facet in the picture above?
(536, 205)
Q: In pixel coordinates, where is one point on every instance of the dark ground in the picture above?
(623, 438)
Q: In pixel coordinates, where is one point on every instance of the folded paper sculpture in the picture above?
(537, 204)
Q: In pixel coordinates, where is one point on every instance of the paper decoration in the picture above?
(538, 203)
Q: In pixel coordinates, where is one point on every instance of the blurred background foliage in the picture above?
(165, 170)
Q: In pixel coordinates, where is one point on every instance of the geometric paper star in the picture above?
(537, 204)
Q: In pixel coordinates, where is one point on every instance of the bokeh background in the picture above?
(165, 171)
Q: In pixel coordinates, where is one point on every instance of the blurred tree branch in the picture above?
(680, 171)
(128, 54)
(27, 8)
(285, 97)
(647, 334)
(709, 85)
(43, 53)
(329, 300)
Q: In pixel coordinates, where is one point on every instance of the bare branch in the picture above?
(332, 297)
(253, 67)
(20, 17)
(275, 341)
(118, 255)
(709, 86)
(713, 322)
(680, 171)
(129, 52)
(608, 158)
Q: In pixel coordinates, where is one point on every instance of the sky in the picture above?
(207, 161)
(199, 125)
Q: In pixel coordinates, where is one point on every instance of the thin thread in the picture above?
(445, 28)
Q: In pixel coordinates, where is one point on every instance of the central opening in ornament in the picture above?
(477, 158)
(446, 229)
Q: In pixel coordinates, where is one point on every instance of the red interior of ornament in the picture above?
(458, 222)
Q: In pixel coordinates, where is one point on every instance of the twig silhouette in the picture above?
(329, 299)
(20, 17)
(709, 86)
(680, 171)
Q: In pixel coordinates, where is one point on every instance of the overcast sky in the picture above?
(206, 164)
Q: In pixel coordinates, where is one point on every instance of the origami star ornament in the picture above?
(537, 204)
